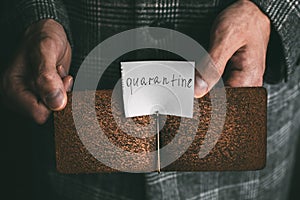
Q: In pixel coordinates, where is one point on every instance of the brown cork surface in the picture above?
(240, 146)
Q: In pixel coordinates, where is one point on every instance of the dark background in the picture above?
(23, 164)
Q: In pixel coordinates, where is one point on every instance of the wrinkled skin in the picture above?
(37, 80)
(239, 41)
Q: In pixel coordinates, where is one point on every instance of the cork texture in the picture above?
(241, 145)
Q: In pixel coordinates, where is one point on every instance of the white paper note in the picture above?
(163, 86)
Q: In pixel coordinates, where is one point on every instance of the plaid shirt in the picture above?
(87, 23)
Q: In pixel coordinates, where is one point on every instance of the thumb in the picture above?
(210, 69)
(50, 87)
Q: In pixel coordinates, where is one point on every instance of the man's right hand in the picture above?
(36, 81)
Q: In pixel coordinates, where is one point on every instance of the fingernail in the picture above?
(201, 87)
(55, 100)
(71, 81)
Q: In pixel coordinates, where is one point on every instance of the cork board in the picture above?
(241, 144)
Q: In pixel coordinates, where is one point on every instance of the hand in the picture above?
(239, 41)
(36, 81)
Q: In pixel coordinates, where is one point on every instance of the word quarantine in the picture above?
(174, 81)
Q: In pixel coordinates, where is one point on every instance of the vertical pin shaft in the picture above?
(158, 140)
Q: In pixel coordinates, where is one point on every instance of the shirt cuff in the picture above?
(29, 12)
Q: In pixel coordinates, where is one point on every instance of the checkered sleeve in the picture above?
(284, 16)
(27, 12)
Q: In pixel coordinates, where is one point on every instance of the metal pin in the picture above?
(158, 140)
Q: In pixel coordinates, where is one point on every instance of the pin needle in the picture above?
(157, 139)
